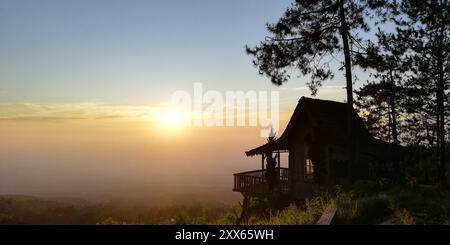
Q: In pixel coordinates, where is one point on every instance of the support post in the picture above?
(262, 172)
(278, 181)
(279, 161)
(245, 210)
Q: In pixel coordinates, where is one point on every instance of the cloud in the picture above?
(98, 111)
(79, 111)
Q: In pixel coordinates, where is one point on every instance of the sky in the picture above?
(81, 81)
(120, 51)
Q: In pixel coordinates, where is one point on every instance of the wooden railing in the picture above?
(255, 182)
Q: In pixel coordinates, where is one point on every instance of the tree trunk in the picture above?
(392, 102)
(440, 107)
(348, 76)
(389, 137)
(394, 121)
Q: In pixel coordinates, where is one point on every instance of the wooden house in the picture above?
(316, 139)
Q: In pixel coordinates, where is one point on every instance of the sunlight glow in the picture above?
(172, 118)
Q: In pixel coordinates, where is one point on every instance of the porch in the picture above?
(255, 183)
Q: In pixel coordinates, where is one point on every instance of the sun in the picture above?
(173, 118)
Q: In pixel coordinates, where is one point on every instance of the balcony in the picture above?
(254, 182)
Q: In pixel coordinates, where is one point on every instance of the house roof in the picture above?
(329, 116)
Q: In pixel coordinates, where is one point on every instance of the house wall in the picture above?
(296, 170)
(327, 163)
(298, 152)
(331, 165)
(299, 147)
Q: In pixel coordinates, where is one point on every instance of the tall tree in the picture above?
(383, 99)
(309, 32)
(426, 27)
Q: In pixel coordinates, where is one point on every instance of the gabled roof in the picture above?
(329, 116)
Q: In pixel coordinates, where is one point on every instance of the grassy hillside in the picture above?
(368, 203)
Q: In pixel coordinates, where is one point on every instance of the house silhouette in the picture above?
(316, 139)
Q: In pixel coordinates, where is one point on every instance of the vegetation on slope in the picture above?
(370, 204)
(364, 203)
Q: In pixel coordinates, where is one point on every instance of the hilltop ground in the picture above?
(368, 203)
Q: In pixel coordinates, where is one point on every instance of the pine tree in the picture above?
(382, 100)
(425, 26)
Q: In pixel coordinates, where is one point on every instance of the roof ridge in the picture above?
(320, 100)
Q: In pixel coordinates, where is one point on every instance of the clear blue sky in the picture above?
(129, 51)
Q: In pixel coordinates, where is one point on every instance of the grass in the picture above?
(366, 205)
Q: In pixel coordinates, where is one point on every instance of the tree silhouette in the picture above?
(425, 26)
(385, 97)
